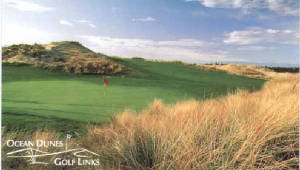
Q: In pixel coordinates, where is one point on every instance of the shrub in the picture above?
(82, 65)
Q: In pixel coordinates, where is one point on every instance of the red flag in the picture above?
(105, 81)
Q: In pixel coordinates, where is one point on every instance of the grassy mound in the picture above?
(68, 56)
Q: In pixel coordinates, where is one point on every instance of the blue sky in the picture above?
(201, 31)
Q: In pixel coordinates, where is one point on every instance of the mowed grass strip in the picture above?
(28, 90)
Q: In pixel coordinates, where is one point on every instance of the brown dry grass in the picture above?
(243, 70)
(241, 131)
(84, 65)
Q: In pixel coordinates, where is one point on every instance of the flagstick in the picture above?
(104, 93)
(105, 81)
(104, 90)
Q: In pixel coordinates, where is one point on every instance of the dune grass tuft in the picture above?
(245, 130)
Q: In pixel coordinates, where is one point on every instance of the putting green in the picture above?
(83, 98)
(77, 100)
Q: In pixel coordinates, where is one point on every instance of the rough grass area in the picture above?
(243, 70)
(246, 130)
(258, 130)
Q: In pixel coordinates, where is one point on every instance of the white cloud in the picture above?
(272, 31)
(253, 48)
(17, 34)
(92, 25)
(146, 19)
(284, 7)
(24, 5)
(261, 35)
(82, 21)
(190, 50)
(65, 22)
(89, 23)
(186, 43)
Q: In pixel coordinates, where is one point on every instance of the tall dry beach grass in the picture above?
(244, 70)
(257, 130)
(245, 130)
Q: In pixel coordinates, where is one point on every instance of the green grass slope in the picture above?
(59, 100)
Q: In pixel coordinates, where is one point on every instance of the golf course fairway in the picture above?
(33, 96)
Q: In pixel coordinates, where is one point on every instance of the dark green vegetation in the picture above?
(285, 69)
(34, 97)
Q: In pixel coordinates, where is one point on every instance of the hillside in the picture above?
(68, 56)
